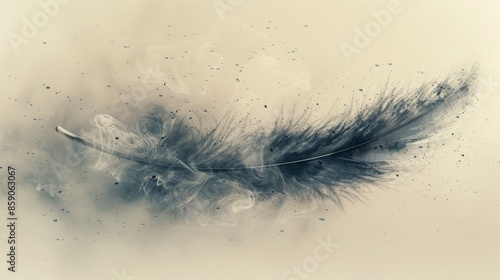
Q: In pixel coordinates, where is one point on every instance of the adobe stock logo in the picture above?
(363, 37)
(222, 7)
(39, 19)
(309, 265)
(122, 275)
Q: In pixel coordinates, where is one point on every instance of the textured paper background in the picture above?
(439, 221)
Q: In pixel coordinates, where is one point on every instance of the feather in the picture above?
(179, 168)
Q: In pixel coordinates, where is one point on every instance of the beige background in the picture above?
(440, 221)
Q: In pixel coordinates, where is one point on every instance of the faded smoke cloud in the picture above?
(105, 70)
(188, 73)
